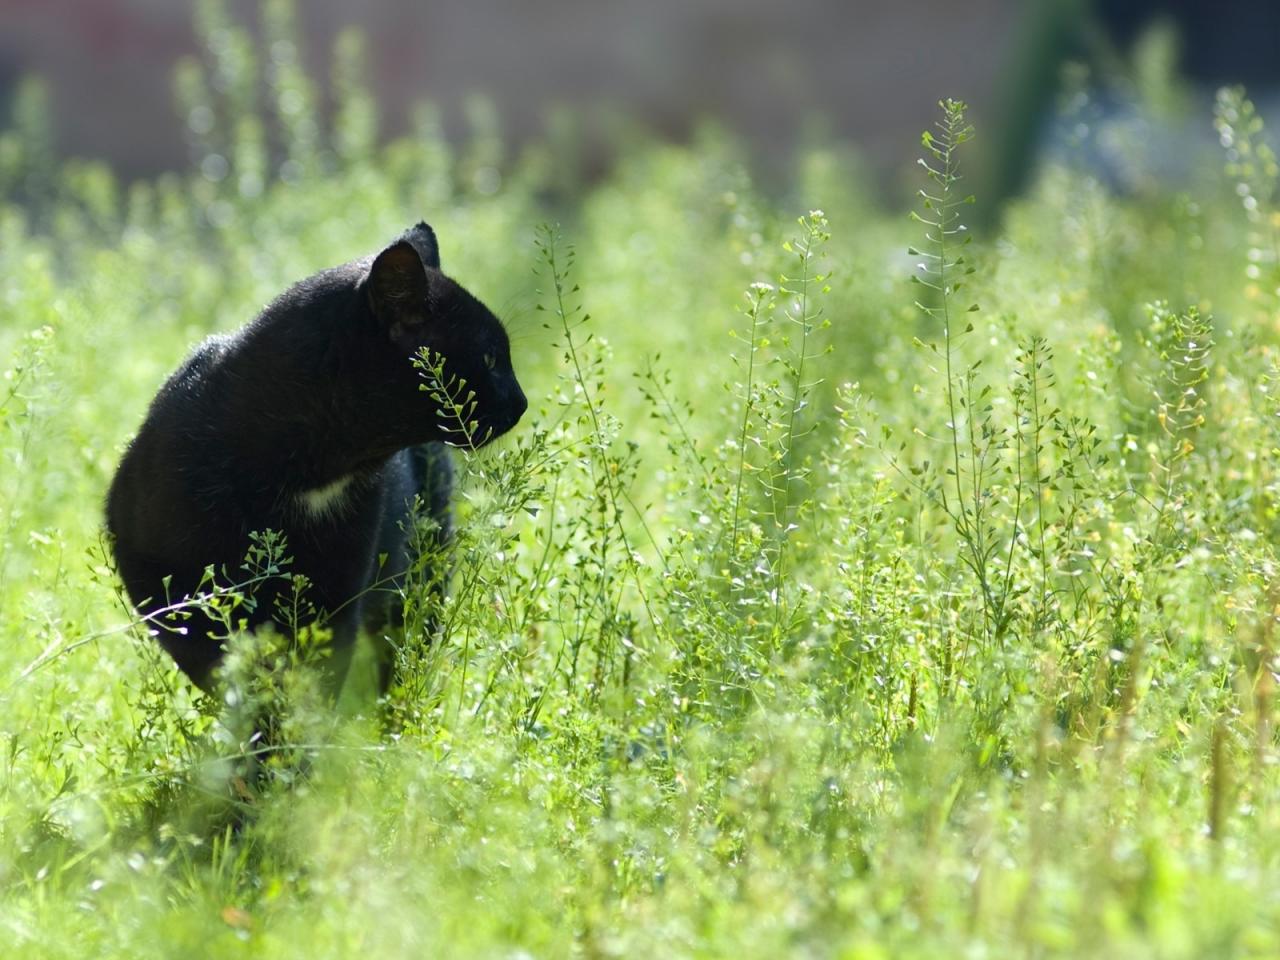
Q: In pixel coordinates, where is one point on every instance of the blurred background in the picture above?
(867, 73)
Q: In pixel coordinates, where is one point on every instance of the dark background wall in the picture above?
(873, 68)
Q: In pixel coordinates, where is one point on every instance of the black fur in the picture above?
(319, 387)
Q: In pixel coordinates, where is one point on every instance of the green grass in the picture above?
(798, 618)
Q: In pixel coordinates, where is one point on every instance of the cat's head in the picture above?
(418, 308)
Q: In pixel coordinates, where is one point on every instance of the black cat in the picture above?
(311, 421)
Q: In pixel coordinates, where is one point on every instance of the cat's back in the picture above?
(143, 494)
(187, 386)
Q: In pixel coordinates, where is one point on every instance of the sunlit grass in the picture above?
(794, 619)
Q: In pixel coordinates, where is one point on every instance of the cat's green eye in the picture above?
(490, 360)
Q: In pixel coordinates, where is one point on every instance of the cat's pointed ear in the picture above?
(423, 239)
(397, 285)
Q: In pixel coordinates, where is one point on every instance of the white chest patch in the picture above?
(326, 501)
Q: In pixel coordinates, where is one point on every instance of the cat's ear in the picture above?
(423, 239)
(396, 286)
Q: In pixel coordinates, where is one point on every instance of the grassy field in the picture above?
(811, 611)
